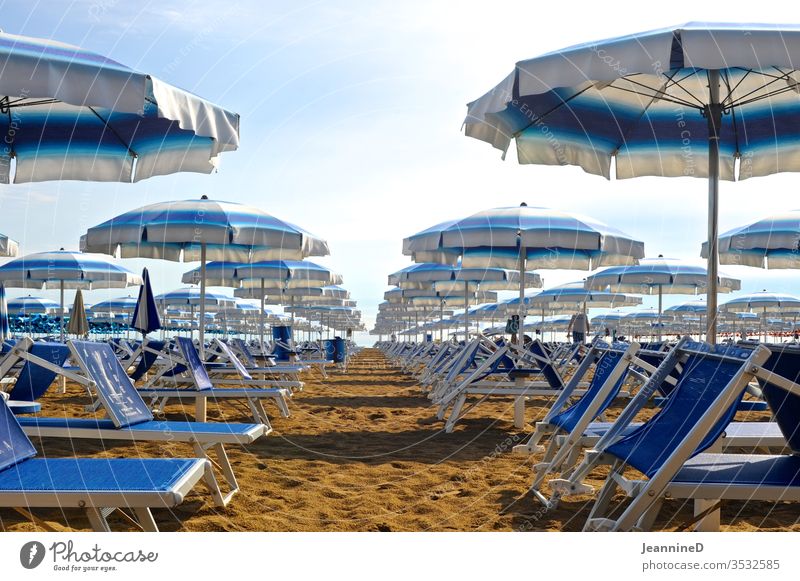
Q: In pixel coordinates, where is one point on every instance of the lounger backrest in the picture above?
(545, 366)
(149, 356)
(784, 361)
(193, 363)
(245, 351)
(603, 368)
(228, 353)
(34, 380)
(14, 444)
(704, 378)
(120, 399)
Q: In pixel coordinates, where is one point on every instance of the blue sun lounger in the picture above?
(287, 376)
(95, 485)
(129, 418)
(187, 362)
(702, 405)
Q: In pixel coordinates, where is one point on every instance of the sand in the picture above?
(363, 452)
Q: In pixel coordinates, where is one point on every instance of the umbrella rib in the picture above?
(655, 95)
(744, 100)
(114, 131)
(677, 83)
(546, 113)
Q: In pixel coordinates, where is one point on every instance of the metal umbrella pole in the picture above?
(522, 257)
(202, 323)
(61, 313)
(713, 113)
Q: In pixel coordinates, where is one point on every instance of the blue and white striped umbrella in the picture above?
(680, 101)
(190, 297)
(66, 269)
(125, 305)
(574, 296)
(771, 242)
(659, 276)
(763, 302)
(31, 306)
(694, 307)
(525, 237)
(71, 114)
(8, 248)
(203, 229)
(5, 329)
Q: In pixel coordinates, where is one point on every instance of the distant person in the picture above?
(578, 326)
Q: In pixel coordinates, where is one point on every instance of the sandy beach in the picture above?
(362, 451)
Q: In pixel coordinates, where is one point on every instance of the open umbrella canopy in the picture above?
(116, 305)
(694, 307)
(31, 306)
(190, 296)
(659, 275)
(70, 269)
(179, 230)
(72, 114)
(570, 295)
(447, 277)
(762, 301)
(681, 101)
(551, 240)
(771, 242)
(8, 247)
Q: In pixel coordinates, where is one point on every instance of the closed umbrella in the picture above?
(78, 323)
(145, 315)
(681, 101)
(4, 326)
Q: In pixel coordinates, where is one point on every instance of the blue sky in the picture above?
(351, 115)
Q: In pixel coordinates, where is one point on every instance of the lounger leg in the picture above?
(209, 478)
(709, 523)
(649, 517)
(146, 520)
(98, 520)
(601, 504)
(455, 413)
(200, 408)
(519, 412)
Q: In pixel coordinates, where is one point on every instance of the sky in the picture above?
(351, 119)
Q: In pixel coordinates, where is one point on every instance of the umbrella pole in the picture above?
(713, 112)
(441, 321)
(61, 313)
(202, 325)
(660, 290)
(521, 331)
(261, 321)
(291, 331)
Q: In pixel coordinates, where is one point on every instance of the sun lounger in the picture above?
(95, 485)
(131, 420)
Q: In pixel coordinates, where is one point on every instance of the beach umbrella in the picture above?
(78, 323)
(31, 305)
(659, 276)
(762, 302)
(574, 294)
(66, 269)
(689, 311)
(446, 278)
(145, 314)
(192, 230)
(124, 305)
(71, 114)
(770, 242)
(527, 238)
(8, 248)
(263, 276)
(681, 101)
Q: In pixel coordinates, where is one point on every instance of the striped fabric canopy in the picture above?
(654, 275)
(640, 99)
(191, 297)
(570, 295)
(31, 306)
(762, 301)
(72, 269)
(444, 277)
(71, 114)
(274, 273)
(177, 230)
(688, 307)
(552, 240)
(116, 305)
(771, 242)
